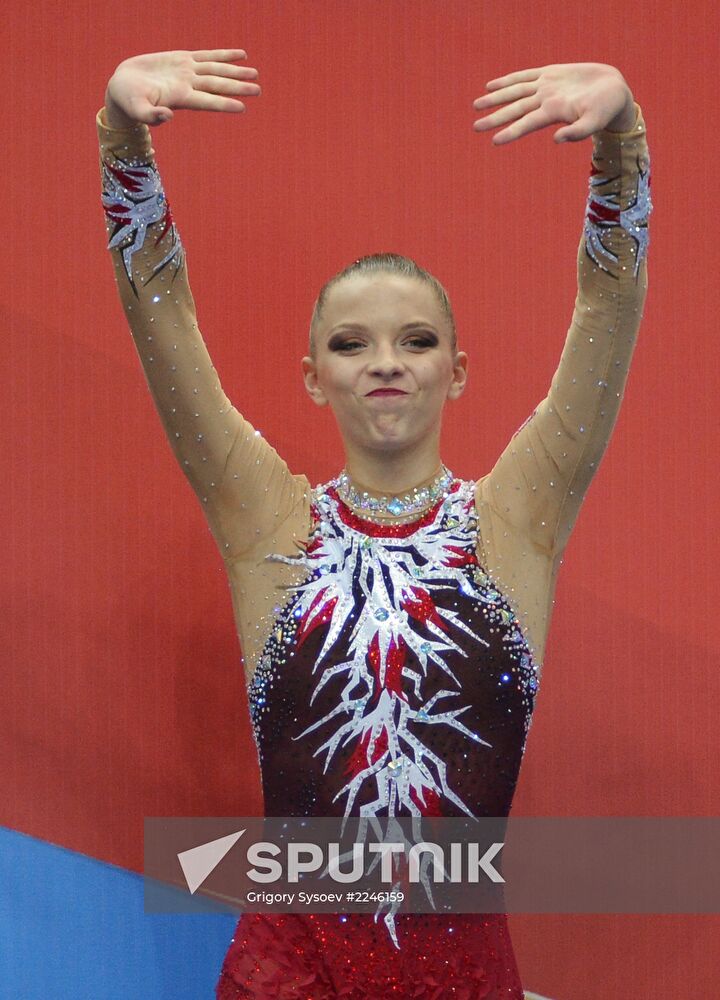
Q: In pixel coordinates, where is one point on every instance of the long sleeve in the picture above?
(539, 482)
(245, 488)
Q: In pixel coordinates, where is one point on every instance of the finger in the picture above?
(224, 69)
(522, 76)
(508, 114)
(581, 129)
(529, 123)
(222, 55)
(143, 111)
(221, 85)
(200, 101)
(506, 94)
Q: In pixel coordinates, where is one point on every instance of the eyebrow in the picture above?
(407, 326)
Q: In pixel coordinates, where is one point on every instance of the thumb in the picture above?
(150, 114)
(578, 130)
(160, 114)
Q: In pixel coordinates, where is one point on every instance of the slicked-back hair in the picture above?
(388, 263)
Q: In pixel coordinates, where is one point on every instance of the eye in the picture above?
(423, 341)
(345, 345)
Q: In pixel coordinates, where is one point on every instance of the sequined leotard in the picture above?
(391, 670)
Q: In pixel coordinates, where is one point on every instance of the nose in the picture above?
(385, 361)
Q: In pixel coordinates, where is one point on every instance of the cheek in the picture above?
(335, 378)
(434, 373)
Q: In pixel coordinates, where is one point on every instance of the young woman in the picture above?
(392, 620)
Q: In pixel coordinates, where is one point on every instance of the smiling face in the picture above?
(384, 331)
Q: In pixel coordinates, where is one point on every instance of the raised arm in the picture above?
(540, 480)
(244, 487)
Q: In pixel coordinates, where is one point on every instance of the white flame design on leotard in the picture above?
(395, 577)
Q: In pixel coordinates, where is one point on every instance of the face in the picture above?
(384, 331)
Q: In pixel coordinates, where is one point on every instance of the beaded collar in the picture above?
(379, 508)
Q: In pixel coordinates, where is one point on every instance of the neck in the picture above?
(394, 475)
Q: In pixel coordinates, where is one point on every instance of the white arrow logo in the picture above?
(199, 862)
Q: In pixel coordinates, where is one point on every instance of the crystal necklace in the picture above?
(413, 502)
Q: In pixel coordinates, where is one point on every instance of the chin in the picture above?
(387, 444)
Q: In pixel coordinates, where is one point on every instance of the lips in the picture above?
(387, 392)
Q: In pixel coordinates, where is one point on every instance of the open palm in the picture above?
(586, 96)
(148, 87)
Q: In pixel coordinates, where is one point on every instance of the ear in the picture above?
(457, 386)
(312, 384)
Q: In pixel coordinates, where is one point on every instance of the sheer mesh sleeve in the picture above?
(245, 488)
(539, 482)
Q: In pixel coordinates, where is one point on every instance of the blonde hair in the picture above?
(392, 263)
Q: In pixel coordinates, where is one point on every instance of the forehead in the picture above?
(365, 298)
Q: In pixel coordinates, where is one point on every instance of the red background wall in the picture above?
(121, 688)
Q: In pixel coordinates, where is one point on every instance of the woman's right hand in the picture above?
(148, 88)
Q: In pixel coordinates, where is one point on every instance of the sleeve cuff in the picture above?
(134, 141)
(606, 137)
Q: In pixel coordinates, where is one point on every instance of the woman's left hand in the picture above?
(587, 96)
